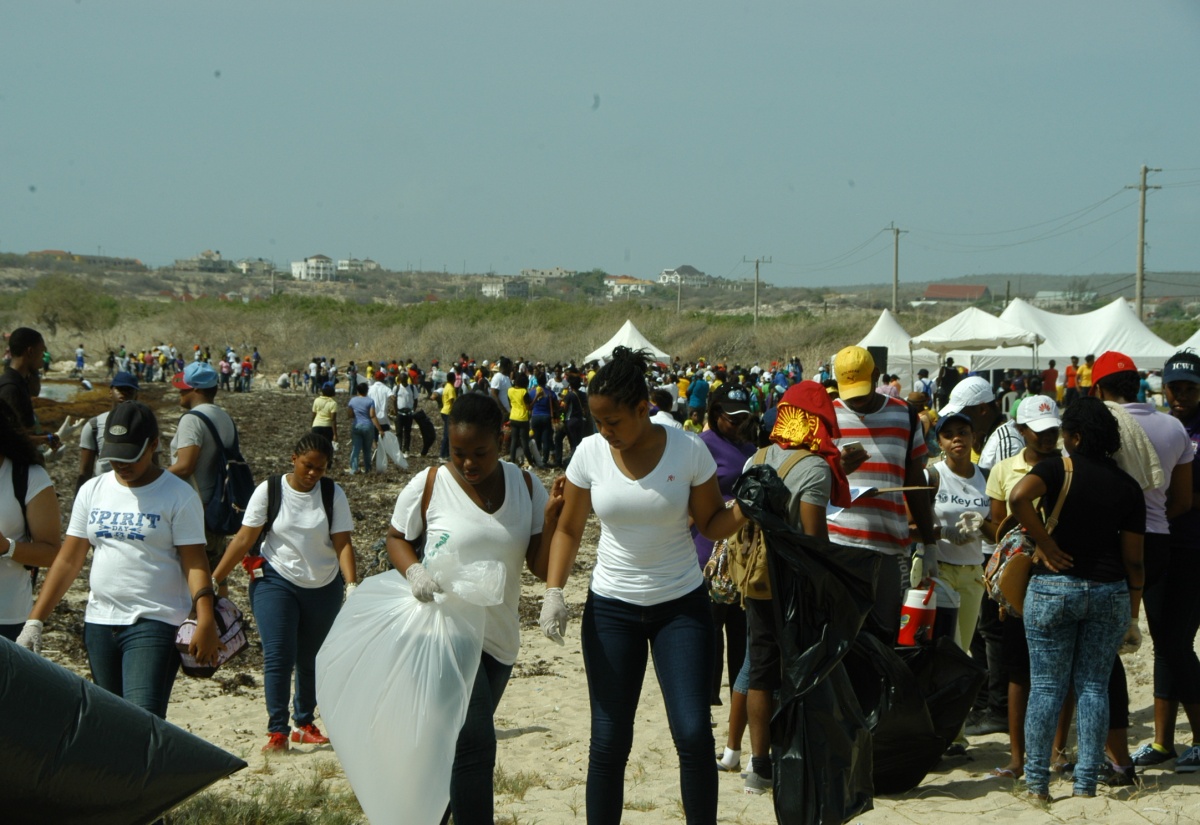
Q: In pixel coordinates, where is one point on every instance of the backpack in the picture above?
(235, 484)
(748, 548)
(275, 501)
(389, 408)
(1007, 573)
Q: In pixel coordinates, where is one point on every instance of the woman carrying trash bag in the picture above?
(296, 583)
(148, 569)
(644, 482)
(1087, 580)
(485, 510)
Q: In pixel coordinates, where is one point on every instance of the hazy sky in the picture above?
(631, 136)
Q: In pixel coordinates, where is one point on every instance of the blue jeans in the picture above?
(445, 453)
(137, 662)
(361, 439)
(1074, 628)
(471, 794)
(293, 622)
(615, 636)
(543, 435)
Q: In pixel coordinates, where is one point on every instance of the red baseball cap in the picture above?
(1110, 363)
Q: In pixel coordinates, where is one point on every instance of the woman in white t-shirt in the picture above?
(29, 539)
(959, 508)
(483, 509)
(148, 570)
(644, 481)
(296, 583)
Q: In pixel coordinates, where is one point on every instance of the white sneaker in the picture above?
(730, 761)
(756, 784)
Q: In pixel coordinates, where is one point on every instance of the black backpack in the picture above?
(275, 501)
(235, 484)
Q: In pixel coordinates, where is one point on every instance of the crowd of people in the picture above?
(653, 450)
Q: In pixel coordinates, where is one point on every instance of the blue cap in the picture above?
(125, 380)
(196, 376)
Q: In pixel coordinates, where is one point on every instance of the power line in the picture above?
(1079, 212)
(828, 262)
(966, 249)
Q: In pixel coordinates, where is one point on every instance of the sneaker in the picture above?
(730, 761)
(1149, 755)
(277, 742)
(309, 735)
(987, 724)
(1116, 777)
(1190, 761)
(956, 749)
(756, 783)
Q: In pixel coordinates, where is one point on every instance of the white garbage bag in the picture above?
(393, 681)
(380, 458)
(390, 445)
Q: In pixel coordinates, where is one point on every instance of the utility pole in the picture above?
(678, 294)
(759, 260)
(1140, 281)
(896, 231)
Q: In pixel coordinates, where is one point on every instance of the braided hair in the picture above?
(312, 442)
(623, 379)
(477, 410)
(1090, 419)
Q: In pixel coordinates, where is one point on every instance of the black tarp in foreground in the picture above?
(822, 594)
(71, 752)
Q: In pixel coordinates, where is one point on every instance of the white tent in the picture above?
(974, 329)
(1192, 343)
(627, 336)
(887, 332)
(1112, 327)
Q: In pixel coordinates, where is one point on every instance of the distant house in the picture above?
(256, 266)
(687, 274)
(1049, 299)
(505, 288)
(967, 293)
(618, 285)
(314, 268)
(352, 265)
(206, 261)
(557, 272)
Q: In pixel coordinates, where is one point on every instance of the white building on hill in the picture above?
(314, 268)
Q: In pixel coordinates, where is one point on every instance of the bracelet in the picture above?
(204, 591)
(12, 548)
(1131, 587)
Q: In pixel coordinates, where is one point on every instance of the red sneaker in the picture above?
(309, 734)
(276, 743)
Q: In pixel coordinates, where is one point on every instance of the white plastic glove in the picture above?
(1133, 637)
(966, 529)
(554, 614)
(30, 637)
(70, 428)
(422, 584)
(924, 565)
(350, 588)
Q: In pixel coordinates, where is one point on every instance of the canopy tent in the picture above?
(888, 333)
(1112, 327)
(627, 336)
(1192, 343)
(974, 329)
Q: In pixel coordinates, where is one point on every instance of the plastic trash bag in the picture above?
(822, 595)
(394, 677)
(390, 446)
(71, 752)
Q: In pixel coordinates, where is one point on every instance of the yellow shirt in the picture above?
(518, 400)
(1083, 376)
(1005, 475)
(324, 409)
(448, 396)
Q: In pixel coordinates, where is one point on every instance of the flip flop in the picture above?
(1003, 773)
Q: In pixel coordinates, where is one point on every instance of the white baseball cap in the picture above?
(1039, 413)
(972, 390)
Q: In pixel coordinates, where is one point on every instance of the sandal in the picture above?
(1063, 768)
(1004, 773)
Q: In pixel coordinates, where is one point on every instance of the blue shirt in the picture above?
(361, 406)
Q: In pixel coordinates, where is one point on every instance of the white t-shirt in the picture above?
(645, 555)
(457, 523)
(663, 418)
(136, 570)
(91, 437)
(957, 495)
(300, 544)
(16, 590)
(406, 396)
(501, 384)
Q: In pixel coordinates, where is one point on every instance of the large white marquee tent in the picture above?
(888, 332)
(627, 336)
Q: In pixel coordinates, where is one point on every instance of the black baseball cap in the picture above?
(1182, 366)
(733, 399)
(128, 432)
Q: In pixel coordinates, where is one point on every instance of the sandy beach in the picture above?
(543, 718)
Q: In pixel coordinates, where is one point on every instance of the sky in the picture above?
(629, 136)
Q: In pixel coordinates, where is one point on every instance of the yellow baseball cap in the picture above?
(854, 368)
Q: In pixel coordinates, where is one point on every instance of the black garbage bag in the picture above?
(71, 752)
(949, 680)
(915, 700)
(821, 594)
